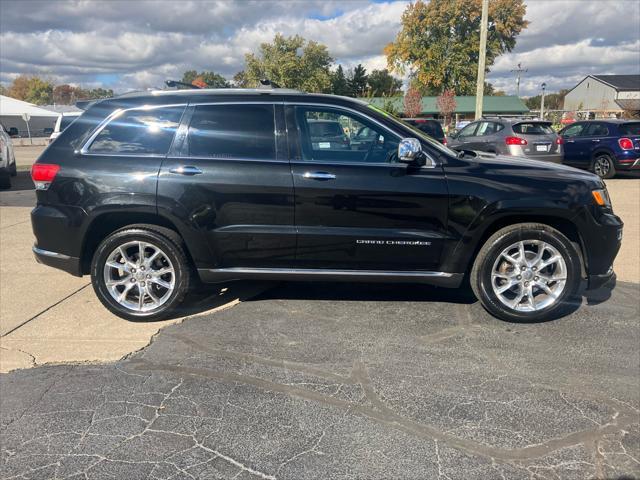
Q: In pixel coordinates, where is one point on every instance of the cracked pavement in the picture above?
(342, 381)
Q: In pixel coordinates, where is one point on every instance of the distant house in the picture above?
(465, 106)
(604, 95)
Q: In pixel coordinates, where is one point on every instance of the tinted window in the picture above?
(67, 120)
(139, 132)
(348, 137)
(630, 128)
(573, 130)
(533, 128)
(597, 130)
(233, 131)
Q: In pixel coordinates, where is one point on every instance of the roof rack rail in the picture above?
(177, 83)
(266, 83)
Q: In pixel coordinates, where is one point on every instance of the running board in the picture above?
(442, 279)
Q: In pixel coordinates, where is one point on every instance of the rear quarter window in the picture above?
(630, 128)
(139, 131)
(533, 128)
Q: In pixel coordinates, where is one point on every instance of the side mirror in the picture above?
(409, 150)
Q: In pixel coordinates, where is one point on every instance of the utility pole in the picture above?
(482, 58)
(518, 71)
(544, 85)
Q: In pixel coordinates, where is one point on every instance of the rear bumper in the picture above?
(626, 163)
(58, 260)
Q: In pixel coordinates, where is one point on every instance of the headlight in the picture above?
(601, 197)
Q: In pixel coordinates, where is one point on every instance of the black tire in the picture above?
(603, 165)
(5, 182)
(170, 243)
(480, 277)
(13, 169)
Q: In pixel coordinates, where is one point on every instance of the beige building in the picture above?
(604, 95)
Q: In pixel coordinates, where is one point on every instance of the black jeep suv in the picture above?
(148, 192)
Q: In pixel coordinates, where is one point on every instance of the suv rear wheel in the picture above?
(526, 272)
(603, 166)
(141, 272)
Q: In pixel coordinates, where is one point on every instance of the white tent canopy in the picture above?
(41, 121)
(10, 106)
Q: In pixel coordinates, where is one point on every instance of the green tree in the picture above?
(96, 93)
(358, 81)
(240, 80)
(291, 62)
(339, 84)
(489, 89)
(211, 79)
(439, 41)
(552, 101)
(381, 82)
(32, 89)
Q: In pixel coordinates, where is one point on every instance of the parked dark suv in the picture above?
(603, 146)
(144, 190)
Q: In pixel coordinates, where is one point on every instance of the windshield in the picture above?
(533, 128)
(418, 133)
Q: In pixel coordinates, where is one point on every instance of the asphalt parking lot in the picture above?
(315, 380)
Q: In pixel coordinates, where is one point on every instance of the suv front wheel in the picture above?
(141, 272)
(526, 272)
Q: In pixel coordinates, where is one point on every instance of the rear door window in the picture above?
(630, 128)
(239, 131)
(139, 131)
(597, 130)
(573, 130)
(533, 128)
(468, 131)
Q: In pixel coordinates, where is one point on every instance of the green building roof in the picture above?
(464, 104)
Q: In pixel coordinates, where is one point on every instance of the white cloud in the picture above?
(142, 43)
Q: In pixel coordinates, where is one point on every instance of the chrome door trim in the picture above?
(48, 253)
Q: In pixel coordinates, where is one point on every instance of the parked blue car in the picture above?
(603, 146)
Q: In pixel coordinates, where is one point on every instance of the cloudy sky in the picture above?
(137, 44)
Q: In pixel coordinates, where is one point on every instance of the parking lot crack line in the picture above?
(44, 311)
(385, 416)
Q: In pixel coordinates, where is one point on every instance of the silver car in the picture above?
(533, 139)
(7, 159)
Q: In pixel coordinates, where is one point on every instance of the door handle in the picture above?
(571, 141)
(319, 175)
(595, 140)
(186, 170)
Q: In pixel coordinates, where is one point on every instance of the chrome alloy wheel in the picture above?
(601, 166)
(139, 276)
(529, 275)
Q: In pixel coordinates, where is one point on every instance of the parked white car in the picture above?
(64, 120)
(7, 160)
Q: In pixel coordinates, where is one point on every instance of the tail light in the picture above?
(515, 141)
(625, 143)
(559, 141)
(43, 174)
(444, 141)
